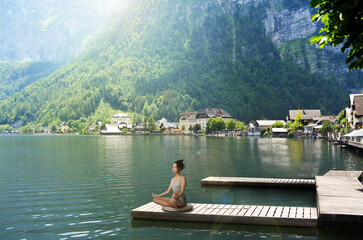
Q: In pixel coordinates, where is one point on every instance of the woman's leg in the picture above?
(179, 203)
(169, 202)
(162, 201)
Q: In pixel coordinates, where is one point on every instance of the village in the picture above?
(218, 122)
(299, 122)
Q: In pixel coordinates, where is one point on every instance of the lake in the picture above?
(84, 187)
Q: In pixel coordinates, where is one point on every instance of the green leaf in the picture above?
(314, 3)
(315, 39)
(315, 17)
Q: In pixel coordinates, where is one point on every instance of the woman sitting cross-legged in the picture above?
(177, 184)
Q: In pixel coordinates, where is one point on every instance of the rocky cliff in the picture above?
(290, 28)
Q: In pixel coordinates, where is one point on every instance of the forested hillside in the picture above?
(166, 57)
(15, 76)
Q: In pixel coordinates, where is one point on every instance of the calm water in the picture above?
(84, 187)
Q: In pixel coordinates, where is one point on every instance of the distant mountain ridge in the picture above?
(166, 57)
(51, 30)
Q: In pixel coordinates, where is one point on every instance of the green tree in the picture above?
(343, 24)
(210, 125)
(196, 127)
(278, 124)
(231, 124)
(124, 131)
(297, 125)
(341, 117)
(241, 126)
(328, 126)
(220, 124)
(145, 122)
(183, 127)
(103, 125)
(151, 123)
(39, 129)
(27, 129)
(54, 128)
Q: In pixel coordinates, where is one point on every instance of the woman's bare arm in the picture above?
(183, 184)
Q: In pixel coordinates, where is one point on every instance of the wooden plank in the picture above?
(243, 210)
(143, 207)
(151, 206)
(335, 173)
(299, 212)
(340, 198)
(205, 208)
(306, 212)
(278, 212)
(229, 211)
(257, 211)
(223, 210)
(215, 211)
(236, 211)
(226, 214)
(250, 210)
(314, 213)
(200, 208)
(209, 210)
(228, 181)
(271, 211)
(293, 212)
(285, 212)
(264, 211)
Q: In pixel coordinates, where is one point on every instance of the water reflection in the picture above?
(252, 231)
(85, 186)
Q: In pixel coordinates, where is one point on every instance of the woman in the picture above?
(177, 184)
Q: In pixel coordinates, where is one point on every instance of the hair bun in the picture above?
(180, 164)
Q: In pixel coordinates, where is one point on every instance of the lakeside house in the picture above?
(354, 112)
(187, 119)
(307, 115)
(312, 129)
(279, 132)
(191, 118)
(254, 129)
(355, 136)
(111, 129)
(119, 121)
(163, 124)
(139, 129)
(121, 118)
(123, 121)
(63, 127)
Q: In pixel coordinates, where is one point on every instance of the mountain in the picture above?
(164, 57)
(37, 36)
(289, 25)
(51, 30)
(16, 76)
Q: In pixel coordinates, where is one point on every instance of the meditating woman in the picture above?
(177, 184)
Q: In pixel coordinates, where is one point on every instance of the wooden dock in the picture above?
(242, 181)
(351, 174)
(340, 197)
(237, 214)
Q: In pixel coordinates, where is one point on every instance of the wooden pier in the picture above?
(237, 214)
(339, 200)
(340, 197)
(240, 181)
(350, 174)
